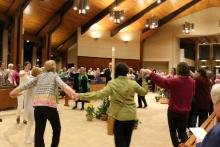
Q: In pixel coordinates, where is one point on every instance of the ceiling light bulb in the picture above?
(158, 1)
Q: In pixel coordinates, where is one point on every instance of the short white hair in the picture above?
(10, 65)
(215, 93)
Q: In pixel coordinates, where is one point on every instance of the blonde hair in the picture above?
(50, 66)
(36, 71)
(215, 93)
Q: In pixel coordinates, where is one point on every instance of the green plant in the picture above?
(98, 113)
(90, 110)
(105, 105)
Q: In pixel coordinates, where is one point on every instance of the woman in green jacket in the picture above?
(122, 104)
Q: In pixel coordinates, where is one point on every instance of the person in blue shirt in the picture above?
(212, 139)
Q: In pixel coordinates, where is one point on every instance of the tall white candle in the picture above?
(113, 62)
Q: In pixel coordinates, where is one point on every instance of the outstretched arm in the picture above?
(106, 91)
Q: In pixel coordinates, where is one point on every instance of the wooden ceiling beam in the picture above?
(56, 20)
(31, 37)
(172, 15)
(85, 27)
(135, 17)
(71, 37)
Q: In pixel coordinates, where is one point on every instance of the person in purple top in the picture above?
(182, 89)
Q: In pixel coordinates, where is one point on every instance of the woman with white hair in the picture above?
(212, 138)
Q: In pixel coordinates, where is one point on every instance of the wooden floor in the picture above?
(77, 132)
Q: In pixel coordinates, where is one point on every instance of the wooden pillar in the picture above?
(141, 64)
(46, 51)
(34, 56)
(14, 40)
(5, 47)
(20, 40)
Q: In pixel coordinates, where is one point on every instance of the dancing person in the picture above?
(212, 137)
(122, 104)
(141, 98)
(81, 85)
(182, 89)
(22, 99)
(29, 109)
(45, 106)
(202, 95)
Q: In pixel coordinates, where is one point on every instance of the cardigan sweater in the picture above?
(181, 89)
(45, 93)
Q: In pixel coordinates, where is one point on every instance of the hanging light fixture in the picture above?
(152, 23)
(81, 5)
(188, 27)
(116, 15)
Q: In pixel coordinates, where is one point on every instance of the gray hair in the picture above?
(215, 93)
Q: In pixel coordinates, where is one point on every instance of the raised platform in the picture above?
(5, 101)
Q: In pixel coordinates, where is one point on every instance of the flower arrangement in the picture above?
(90, 111)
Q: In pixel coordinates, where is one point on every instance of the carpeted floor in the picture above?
(77, 132)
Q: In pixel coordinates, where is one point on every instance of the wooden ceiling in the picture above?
(39, 13)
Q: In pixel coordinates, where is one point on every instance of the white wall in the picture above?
(164, 45)
(87, 46)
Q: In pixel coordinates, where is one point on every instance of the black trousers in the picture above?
(203, 115)
(177, 126)
(140, 100)
(123, 132)
(42, 114)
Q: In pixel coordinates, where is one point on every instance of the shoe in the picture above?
(18, 120)
(145, 107)
(82, 108)
(24, 122)
(139, 107)
(0, 120)
(74, 107)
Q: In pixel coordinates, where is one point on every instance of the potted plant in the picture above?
(157, 98)
(136, 123)
(90, 110)
(104, 109)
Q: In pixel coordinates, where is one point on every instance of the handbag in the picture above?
(111, 120)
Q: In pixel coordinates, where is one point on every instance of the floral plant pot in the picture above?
(89, 117)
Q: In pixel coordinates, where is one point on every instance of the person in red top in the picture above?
(182, 89)
(202, 95)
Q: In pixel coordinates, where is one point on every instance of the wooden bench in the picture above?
(207, 125)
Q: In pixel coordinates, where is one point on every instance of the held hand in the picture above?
(147, 71)
(14, 93)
